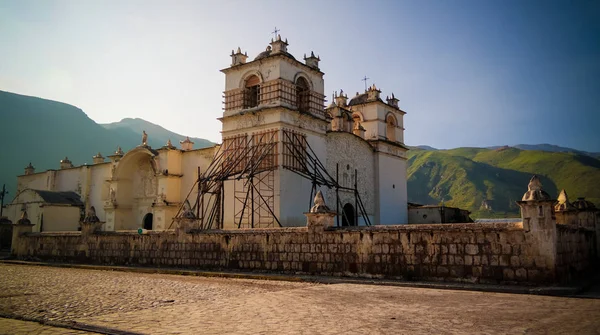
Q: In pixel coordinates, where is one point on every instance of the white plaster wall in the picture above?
(294, 199)
(269, 69)
(392, 192)
(99, 188)
(190, 160)
(61, 218)
(70, 179)
(290, 71)
(37, 181)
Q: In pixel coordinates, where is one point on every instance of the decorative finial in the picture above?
(144, 138)
(534, 184)
(319, 204)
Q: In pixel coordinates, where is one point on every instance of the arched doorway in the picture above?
(348, 218)
(148, 221)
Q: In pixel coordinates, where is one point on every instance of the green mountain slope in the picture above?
(43, 132)
(465, 177)
(155, 132)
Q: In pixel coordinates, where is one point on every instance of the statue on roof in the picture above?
(144, 138)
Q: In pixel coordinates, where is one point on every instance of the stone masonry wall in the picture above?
(576, 250)
(485, 253)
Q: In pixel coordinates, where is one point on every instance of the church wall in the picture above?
(391, 174)
(294, 190)
(351, 152)
(474, 252)
(61, 218)
(70, 179)
(99, 188)
(294, 199)
(38, 181)
(269, 69)
(190, 160)
(290, 72)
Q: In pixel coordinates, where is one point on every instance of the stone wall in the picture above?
(576, 250)
(474, 252)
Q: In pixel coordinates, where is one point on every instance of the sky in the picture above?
(467, 72)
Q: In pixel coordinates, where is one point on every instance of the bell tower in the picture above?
(270, 102)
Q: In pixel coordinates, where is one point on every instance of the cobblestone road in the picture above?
(169, 304)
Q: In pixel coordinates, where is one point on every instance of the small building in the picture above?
(48, 210)
(424, 214)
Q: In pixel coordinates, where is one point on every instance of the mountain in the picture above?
(43, 132)
(423, 147)
(549, 148)
(479, 179)
(154, 131)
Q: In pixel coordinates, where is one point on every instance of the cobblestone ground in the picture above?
(169, 304)
(17, 327)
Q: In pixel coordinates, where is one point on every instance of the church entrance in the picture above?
(348, 216)
(148, 221)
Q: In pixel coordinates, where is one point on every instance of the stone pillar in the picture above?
(19, 245)
(320, 216)
(538, 221)
(318, 222)
(91, 223)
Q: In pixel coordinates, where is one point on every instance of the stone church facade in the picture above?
(280, 146)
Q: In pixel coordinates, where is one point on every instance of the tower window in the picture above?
(390, 128)
(251, 92)
(302, 94)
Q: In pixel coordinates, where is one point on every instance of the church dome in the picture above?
(269, 52)
(358, 99)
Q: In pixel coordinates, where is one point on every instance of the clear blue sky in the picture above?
(468, 73)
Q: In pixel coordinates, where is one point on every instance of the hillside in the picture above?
(157, 132)
(465, 177)
(43, 132)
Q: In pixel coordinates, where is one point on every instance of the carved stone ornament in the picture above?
(90, 216)
(319, 204)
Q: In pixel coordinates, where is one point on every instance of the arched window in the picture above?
(252, 91)
(302, 94)
(390, 129)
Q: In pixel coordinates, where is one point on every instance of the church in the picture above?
(280, 146)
